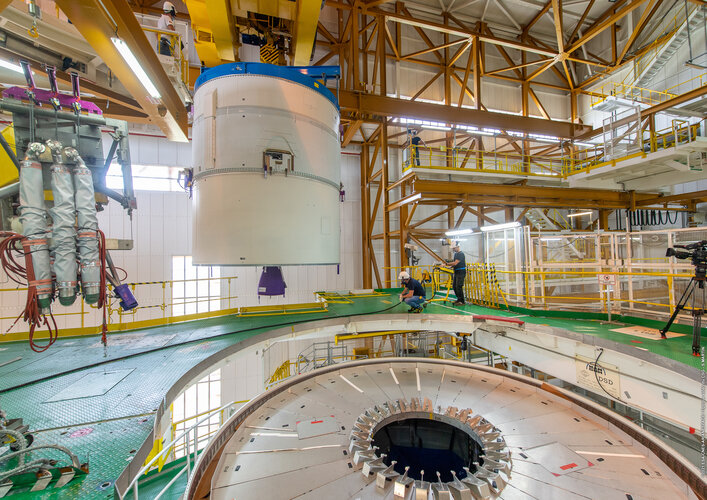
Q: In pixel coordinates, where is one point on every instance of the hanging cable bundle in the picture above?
(25, 275)
(72, 186)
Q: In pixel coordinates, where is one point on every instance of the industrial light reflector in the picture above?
(11, 66)
(436, 127)
(496, 227)
(459, 232)
(578, 214)
(135, 66)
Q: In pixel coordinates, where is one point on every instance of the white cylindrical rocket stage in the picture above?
(266, 158)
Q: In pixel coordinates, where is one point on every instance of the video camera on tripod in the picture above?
(697, 253)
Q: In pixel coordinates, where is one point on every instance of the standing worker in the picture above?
(166, 23)
(415, 146)
(459, 266)
(413, 294)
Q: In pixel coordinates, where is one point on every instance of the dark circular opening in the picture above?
(428, 445)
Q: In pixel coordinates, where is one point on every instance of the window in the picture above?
(195, 289)
(145, 178)
(201, 397)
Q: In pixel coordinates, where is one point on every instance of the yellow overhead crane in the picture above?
(216, 38)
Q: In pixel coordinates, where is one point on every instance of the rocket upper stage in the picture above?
(266, 158)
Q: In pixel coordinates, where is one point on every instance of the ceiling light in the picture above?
(11, 66)
(135, 66)
(495, 227)
(459, 232)
(411, 198)
(436, 127)
(578, 214)
(588, 144)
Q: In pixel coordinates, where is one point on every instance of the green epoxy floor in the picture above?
(106, 429)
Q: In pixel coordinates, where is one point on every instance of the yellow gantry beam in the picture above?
(98, 21)
(305, 30)
(223, 29)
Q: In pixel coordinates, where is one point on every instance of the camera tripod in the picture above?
(697, 281)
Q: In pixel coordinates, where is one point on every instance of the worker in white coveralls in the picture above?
(166, 23)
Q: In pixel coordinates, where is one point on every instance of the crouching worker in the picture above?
(413, 293)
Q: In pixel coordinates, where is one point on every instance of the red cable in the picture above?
(102, 302)
(24, 275)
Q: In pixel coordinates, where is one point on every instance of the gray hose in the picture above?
(88, 227)
(63, 232)
(10, 152)
(34, 222)
(74, 459)
(29, 466)
(19, 438)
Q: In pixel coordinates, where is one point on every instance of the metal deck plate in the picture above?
(91, 384)
(316, 427)
(558, 459)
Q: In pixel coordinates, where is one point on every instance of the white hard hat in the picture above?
(404, 276)
(168, 7)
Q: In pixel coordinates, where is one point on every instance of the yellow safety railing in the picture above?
(489, 287)
(281, 373)
(538, 289)
(216, 304)
(669, 27)
(176, 48)
(681, 132)
(481, 286)
(461, 160)
(631, 92)
(222, 417)
(473, 160)
(626, 88)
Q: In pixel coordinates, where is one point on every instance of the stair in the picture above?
(696, 21)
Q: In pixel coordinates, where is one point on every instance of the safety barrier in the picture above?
(192, 440)
(380, 344)
(176, 47)
(680, 132)
(459, 160)
(161, 303)
(465, 160)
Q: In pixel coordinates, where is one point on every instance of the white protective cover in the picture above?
(242, 217)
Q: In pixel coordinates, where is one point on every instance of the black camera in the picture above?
(696, 252)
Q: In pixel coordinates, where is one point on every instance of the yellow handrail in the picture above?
(463, 160)
(177, 51)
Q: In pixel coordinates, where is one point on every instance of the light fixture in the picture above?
(578, 214)
(436, 127)
(459, 232)
(135, 66)
(495, 227)
(587, 144)
(411, 198)
(11, 66)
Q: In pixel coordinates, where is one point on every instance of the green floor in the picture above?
(106, 429)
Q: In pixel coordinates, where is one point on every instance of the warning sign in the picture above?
(607, 279)
(598, 378)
